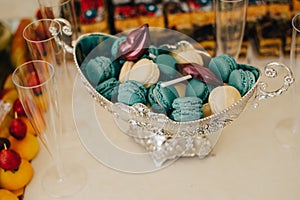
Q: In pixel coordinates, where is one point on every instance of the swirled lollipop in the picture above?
(201, 73)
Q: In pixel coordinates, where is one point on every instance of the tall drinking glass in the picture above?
(44, 41)
(63, 11)
(37, 91)
(288, 130)
(230, 16)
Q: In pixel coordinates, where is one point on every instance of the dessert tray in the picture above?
(164, 138)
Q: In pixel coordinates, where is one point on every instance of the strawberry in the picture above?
(38, 14)
(18, 108)
(4, 143)
(17, 128)
(9, 159)
(32, 81)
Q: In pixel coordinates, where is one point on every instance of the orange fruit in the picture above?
(28, 147)
(9, 95)
(4, 132)
(19, 192)
(8, 83)
(7, 195)
(14, 180)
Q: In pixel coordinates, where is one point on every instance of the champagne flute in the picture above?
(37, 91)
(44, 41)
(288, 130)
(230, 16)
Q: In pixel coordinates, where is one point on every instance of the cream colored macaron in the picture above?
(145, 71)
(124, 73)
(187, 54)
(222, 97)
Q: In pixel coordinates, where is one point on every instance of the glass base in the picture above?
(73, 181)
(287, 133)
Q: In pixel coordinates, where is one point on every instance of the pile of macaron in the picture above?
(135, 71)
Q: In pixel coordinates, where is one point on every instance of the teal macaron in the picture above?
(167, 67)
(222, 66)
(161, 98)
(131, 92)
(242, 80)
(247, 67)
(107, 87)
(198, 89)
(115, 46)
(187, 109)
(99, 69)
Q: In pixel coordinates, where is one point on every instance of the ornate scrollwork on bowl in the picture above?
(163, 137)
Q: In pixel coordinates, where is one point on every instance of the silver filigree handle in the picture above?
(271, 71)
(66, 29)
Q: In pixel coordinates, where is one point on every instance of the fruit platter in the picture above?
(18, 141)
(166, 92)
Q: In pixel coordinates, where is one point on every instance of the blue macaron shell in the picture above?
(239, 79)
(187, 109)
(153, 50)
(99, 69)
(167, 67)
(251, 69)
(106, 87)
(162, 96)
(187, 102)
(184, 115)
(251, 79)
(131, 92)
(222, 66)
(198, 89)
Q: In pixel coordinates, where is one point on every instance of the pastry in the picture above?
(106, 87)
(161, 98)
(167, 67)
(125, 16)
(249, 68)
(93, 16)
(203, 21)
(131, 92)
(99, 69)
(126, 67)
(151, 12)
(222, 66)
(186, 53)
(186, 109)
(178, 17)
(242, 80)
(222, 97)
(144, 71)
(198, 89)
(269, 34)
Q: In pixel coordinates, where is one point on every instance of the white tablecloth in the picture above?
(247, 163)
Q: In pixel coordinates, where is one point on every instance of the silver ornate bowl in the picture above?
(163, 137)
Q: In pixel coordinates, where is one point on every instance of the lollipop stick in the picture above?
(178, 80)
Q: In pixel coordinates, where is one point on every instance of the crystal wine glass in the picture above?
(230, 18)
(288, 130)
(37, 91)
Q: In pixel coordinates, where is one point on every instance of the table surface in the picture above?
(247, 163)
